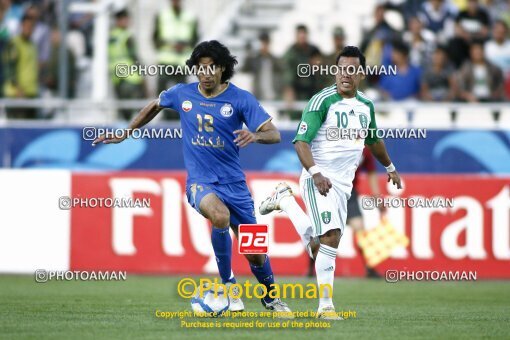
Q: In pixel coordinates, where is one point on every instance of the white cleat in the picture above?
(280, 308)
(328, 313)
(272, 203)
(236, 304)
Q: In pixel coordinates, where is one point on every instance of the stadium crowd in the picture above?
(447, 50)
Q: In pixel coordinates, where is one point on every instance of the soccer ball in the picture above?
(208, 303)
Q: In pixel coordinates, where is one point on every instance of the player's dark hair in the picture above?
(218, 53)
(352, 51)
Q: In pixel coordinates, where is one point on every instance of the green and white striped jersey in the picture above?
(331, 125)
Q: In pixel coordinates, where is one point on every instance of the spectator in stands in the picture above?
(175, 34)
(438, 16)
(41, 37)
(480, 80)
(50, 76)
(495, 8)
(406, 83)
(497, 50)
(298, 86)
(438, 81)
(338, 45)
(474, 22)
(4, 38)
(471, 24)
(266, 70)
(12, 17)
(421, 41)
(377, 37)
(76, 41)
(319, 79)
(84, 22)
(122, 51)
(505, 14)
(21, 79)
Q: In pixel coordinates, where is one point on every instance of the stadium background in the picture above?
(43, 155)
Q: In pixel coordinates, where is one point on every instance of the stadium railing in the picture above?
(415, 114)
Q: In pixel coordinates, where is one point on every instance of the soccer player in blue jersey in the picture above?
(212, 113)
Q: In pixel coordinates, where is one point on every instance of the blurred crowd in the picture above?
(443, 50)
(29, 49)
(30, 52)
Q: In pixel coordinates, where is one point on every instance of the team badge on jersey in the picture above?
(326, 217)
(302, 128)
(363, 120)
(186, 106)
(227, 110)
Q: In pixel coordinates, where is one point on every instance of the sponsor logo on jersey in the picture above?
(326, 217)
(302, 128)
(186, 106)
(227, 110)
(363, 120)
(351, 113)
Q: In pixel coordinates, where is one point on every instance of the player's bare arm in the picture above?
(267, 134)
(379, 151)
(144, 116)
(322, 183)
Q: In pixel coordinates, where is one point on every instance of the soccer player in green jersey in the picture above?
(338, 122)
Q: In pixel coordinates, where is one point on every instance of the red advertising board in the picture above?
(171, 237)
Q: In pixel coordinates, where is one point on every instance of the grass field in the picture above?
(127, 309)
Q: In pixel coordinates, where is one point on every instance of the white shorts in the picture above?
(325, 212)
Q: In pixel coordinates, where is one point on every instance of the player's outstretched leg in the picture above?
(283, 199)
(216, 212)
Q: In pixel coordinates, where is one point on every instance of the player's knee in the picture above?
(331, 238)
(220, 218)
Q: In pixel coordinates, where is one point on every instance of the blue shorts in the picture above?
(235, 196)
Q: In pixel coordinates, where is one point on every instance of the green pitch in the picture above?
(126, 310)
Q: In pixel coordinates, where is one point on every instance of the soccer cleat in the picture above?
(236, 304)
(328, 313)
(281, 308)
(272, 203)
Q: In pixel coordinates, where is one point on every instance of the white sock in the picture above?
(299, 218)
(325, 271)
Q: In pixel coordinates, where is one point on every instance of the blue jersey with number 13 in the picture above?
(210, 154)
